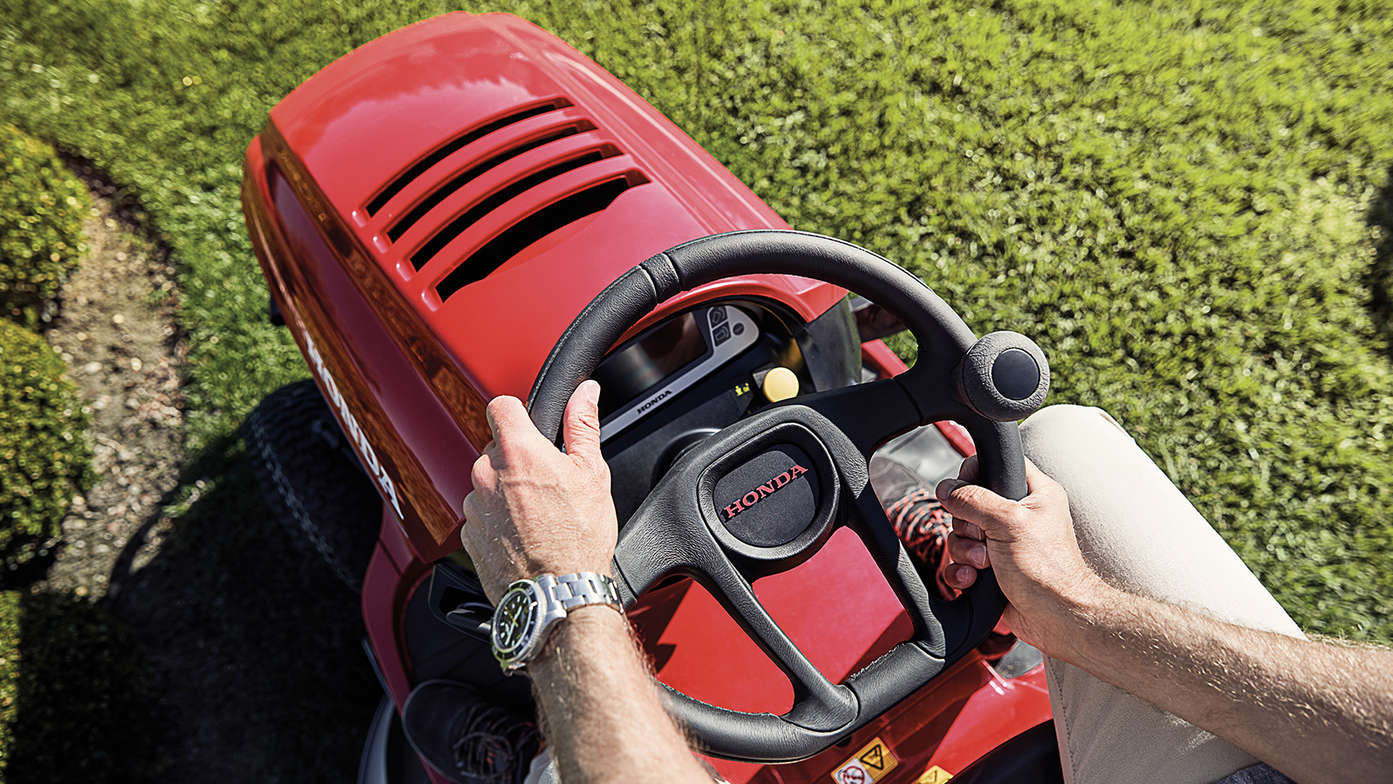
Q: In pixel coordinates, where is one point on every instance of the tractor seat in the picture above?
(1031, 757)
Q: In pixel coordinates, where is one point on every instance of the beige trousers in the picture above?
(1140, 533)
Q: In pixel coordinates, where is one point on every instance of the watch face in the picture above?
(515, 620)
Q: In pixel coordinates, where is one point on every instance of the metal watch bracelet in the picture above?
(579, 589)
(549, 599)
(563, 593)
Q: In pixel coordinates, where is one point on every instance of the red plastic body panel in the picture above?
(483, 67)
(337, 140)
(408, 371)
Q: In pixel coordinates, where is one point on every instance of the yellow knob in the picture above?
(779, 384)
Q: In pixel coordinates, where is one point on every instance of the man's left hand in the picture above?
(535, 509)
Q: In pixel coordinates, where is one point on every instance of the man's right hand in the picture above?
(1029, 544)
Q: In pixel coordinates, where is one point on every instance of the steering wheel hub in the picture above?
(780, 476)
(773, 492)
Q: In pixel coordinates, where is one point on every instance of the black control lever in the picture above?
(458, 601)
(472, 618)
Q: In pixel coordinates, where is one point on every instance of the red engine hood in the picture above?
(381, 110)
(433, 209)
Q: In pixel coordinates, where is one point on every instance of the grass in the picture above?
(1187, 204)
(1174, 200)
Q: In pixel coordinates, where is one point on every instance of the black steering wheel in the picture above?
(765, 493)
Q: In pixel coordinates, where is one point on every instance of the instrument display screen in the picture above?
(652, 357)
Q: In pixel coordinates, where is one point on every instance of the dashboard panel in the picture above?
(698, 371)
(667, 359)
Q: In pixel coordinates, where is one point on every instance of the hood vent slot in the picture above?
(445, 150)
(471, 216)
(442, 192)
(534, 227)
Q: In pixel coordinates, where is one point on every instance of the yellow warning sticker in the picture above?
(869, 764)
(935, 775)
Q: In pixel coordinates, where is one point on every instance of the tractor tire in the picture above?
(311, 480)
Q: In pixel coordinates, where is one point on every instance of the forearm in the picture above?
(600, 711)
(1315, 711)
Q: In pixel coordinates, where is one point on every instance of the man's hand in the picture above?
(1029, 544)
(536, 509)
(1316, 712)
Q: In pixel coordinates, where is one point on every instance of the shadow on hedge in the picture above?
(1381, 274)
(30, 570)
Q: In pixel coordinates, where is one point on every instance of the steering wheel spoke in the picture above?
(654, 542)
(875, 412)
(819, 704)
(663, 538)
(868, 414)
(866, 517)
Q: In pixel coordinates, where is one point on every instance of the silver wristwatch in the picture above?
(529, 609)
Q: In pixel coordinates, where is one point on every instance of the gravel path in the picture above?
(118, 336)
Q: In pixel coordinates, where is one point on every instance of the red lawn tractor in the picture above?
(469, 207)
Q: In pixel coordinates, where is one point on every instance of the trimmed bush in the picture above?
(41, 208)
(9, 674)
(43, 447)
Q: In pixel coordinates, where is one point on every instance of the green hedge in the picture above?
(41, 209)
(9, 674)
(43, 447)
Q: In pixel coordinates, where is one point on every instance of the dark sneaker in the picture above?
(904, 474)
(466, 738)
(922, 524)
